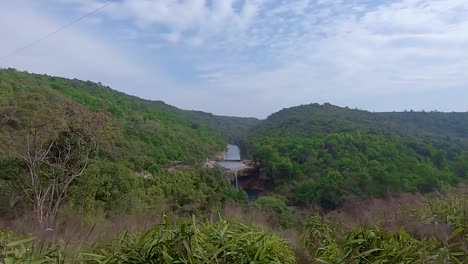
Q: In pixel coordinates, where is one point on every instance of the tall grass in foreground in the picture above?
(29, 250)
(372, 244)
(326, 241)
(188, 241)
(329, 242)
(192, 242)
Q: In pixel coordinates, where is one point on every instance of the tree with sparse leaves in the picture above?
(56, 143)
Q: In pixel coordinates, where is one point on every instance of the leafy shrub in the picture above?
(239, 196)
(28, 250)
(278, 211)
(450, 210)
(184, 242)
(372, 244)
(319, 238)
(191, 242)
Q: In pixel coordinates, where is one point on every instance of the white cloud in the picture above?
(410, 46)
(190, 19)
(253, 57)
(71, 53)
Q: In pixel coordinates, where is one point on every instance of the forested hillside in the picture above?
(438, 126)
(324, 153)
(146, 133)
(123, 149)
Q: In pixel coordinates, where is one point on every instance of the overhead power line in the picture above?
(56, 31)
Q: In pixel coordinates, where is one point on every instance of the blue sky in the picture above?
(253, 57)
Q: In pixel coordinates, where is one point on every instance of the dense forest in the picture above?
(325, 154)
(91, 175)
(147, 133)
(132, 145)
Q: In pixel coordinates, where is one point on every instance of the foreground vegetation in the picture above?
(184, 242)
(323, 239)
(331, 243)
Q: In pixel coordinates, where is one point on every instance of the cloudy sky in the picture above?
(252, 57)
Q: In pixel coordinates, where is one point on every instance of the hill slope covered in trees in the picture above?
(123, 149)
(147, 133)
(324, 153)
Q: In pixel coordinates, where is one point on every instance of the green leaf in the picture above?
(370, 251)
(39, 261)
(19, 242)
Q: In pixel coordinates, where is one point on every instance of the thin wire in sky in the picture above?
(56, 31)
